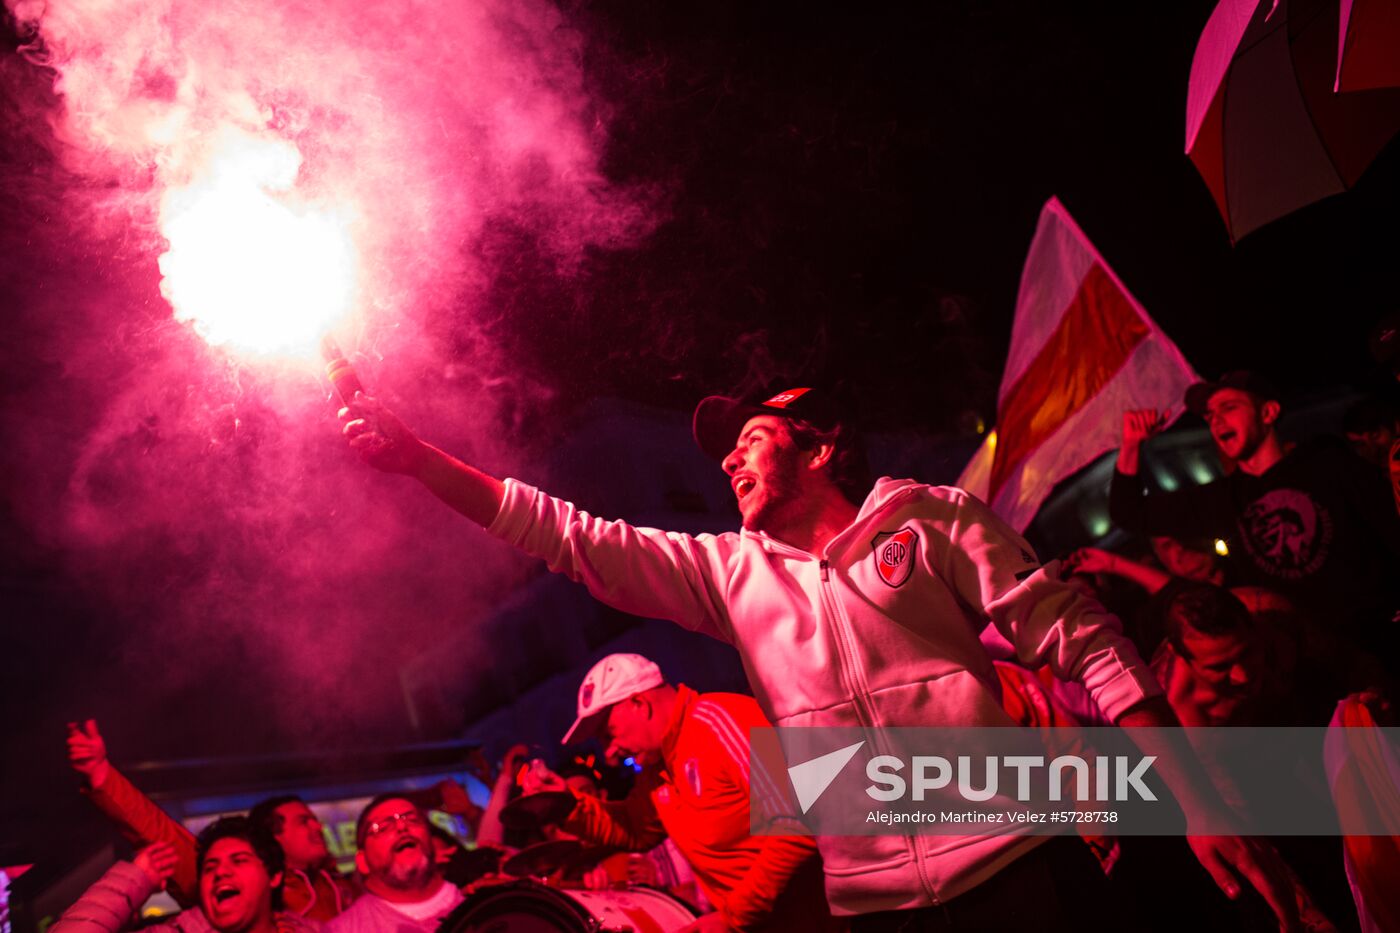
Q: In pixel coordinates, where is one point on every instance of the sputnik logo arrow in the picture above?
(811, 778)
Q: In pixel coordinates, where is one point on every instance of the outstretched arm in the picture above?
(1048, 623)
(1226, 855)
(1096, 560)
(631, 824)
(386, 443)
(489, 831)
(641, 571)
(136, 815)
(111, 904)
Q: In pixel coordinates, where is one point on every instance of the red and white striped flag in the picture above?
(1083, 351)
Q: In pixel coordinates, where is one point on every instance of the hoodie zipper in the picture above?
(841, 626)
(854, 681)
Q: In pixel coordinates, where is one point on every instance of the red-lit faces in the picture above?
(631, 731)
(1236, 422)
(234, 886)
(398, 849)
(300, 836)
(764, 471)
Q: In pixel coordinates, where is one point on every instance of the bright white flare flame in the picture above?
(245, 268)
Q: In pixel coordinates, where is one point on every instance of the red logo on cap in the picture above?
(585, 697)
(784, 399)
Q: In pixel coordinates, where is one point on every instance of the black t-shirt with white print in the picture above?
(1318, 527)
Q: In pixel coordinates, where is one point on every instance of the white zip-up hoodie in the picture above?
(863, 635)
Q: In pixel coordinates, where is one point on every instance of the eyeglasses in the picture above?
(407, 818)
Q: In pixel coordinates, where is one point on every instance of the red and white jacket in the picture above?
(319, 895)
(699, 796)
(881, 629)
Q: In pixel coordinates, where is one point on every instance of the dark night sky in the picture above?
(846, 193)
(857, 194)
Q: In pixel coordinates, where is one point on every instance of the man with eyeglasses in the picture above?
(404, 887)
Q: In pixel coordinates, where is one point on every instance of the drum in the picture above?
(530, 907)
(545, 858)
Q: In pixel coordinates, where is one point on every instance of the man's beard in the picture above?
(1253, 440)
(780, 492)
(405, 874)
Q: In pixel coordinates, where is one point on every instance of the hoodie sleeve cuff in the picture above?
(1116, 684)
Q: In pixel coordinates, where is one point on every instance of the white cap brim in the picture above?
(585, 727)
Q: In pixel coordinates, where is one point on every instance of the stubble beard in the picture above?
(779, 497)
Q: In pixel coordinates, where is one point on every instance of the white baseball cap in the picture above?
(611, 680)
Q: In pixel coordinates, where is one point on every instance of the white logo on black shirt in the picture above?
(1287, 533)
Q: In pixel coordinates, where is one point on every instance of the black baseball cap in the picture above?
(719, 418)
(1199, 395)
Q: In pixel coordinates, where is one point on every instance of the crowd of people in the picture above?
(689, 838)
(878, 604)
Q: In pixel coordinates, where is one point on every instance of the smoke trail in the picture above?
(209, 497)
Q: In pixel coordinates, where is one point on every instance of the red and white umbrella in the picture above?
(1368, 45)
(1263, 125)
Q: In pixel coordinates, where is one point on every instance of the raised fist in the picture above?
(87, 752)
(1142, 423)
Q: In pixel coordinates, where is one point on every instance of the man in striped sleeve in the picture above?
(694, 787)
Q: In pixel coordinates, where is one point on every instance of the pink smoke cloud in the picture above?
(207, 494)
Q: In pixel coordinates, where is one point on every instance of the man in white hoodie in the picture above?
(850, 607)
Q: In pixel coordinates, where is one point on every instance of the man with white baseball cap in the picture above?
(616, 678)
(694, 788)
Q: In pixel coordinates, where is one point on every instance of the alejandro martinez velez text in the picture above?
(955, 816)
